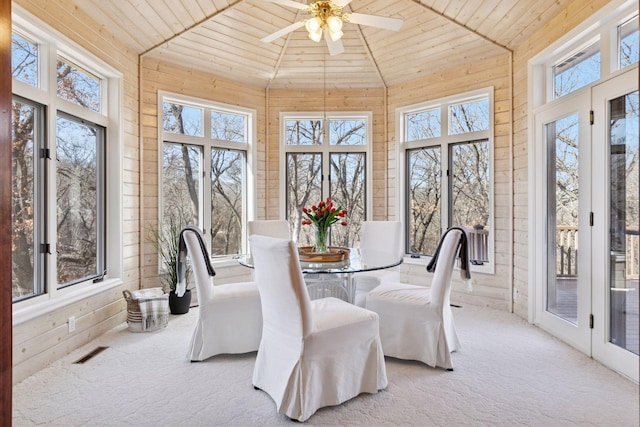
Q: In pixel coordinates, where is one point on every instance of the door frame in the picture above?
(578, 336)
(618, 359)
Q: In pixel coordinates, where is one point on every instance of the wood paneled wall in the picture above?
(574, 14)
(43, 339)
(488, 290)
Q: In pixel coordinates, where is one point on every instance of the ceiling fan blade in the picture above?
(341, 3)
(290, 3)
(392, 24)
(282, 32)
(335, 47)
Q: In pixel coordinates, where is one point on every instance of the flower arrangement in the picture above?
(323, 215)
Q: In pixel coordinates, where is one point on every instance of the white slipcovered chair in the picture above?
(230, 315)
(272, 228)
(416, 322)
(378, 240)
(313, 353)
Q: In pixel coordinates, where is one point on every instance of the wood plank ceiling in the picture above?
(223, 38)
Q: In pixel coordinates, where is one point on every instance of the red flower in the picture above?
(323, 215)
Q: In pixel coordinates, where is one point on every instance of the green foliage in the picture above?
(165, 242)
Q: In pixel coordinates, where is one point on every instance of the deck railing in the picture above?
(478, 244)
(567, 252)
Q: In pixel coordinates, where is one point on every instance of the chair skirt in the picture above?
(411, 328)
(236, 304)
(317, 371)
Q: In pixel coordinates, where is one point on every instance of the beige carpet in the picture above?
(508, 373)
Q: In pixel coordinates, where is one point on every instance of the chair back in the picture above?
(441, 283)
(271, 228)
(286, 307)
(199, 260)
(381, 241)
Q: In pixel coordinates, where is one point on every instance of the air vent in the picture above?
(91, 354)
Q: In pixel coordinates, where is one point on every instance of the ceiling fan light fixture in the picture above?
(335, 24)
(316, 37)
(313, 25)
(335, 35)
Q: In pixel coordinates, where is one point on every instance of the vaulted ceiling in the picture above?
(223, 38)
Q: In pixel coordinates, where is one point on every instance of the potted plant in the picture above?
(165, 241)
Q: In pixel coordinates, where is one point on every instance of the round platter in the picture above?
(335, 254)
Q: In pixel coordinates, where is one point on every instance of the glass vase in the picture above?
(322, 240)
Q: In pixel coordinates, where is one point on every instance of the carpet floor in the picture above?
(508, 373)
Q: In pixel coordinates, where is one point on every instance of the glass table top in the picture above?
(357, 262)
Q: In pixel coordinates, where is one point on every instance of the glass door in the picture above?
(563, 296)
(617, 225)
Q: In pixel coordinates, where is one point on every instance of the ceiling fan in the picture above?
(326, 19)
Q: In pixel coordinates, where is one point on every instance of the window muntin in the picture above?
(228, 200)
(303, 132)
(577, 71)
(469, 117)
(423, 125)
(182, 119)
(219, 204)
(444, 175)
(228, 127)
(628, 43)
(26, 137)
(77, 85)
(80, 190)
(24, 60)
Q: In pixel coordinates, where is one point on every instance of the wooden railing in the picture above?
(567, 252)
(478, 244)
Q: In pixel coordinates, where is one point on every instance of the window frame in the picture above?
(604, 32)
(206, 142)
(326, 150)
(51, 44)
(445, 141)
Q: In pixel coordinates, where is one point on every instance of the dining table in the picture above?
(335, 278)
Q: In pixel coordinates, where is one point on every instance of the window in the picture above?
(190, 151)
(318, 167)
(27, 135)
(78, 85)
(60, 174)
(598, 52)
(447, 152)
(24, 60)
(577, 71)
(79, 198)
(628, 43)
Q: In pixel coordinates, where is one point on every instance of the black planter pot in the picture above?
(179, 305)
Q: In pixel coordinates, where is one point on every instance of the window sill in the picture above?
(41, 305)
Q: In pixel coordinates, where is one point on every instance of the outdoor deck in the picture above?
(566, 308)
